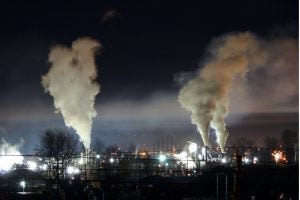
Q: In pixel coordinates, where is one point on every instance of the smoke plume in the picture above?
(231, 57)
(71, 81)
(10, 154)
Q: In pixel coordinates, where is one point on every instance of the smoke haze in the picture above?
(7, 149)
(233, 60)
(71, 82)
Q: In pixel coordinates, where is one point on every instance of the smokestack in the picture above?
(207, 95)
(71, 81)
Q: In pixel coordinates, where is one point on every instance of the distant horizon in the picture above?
(111, 131)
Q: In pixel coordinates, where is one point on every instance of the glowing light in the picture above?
(10, 156)
(162, 158)
(279, 156)
(192, 147)
(255, 160)
(183, 155)
(186, 160)
(23, 184)
(143, 153)
(76, 171)
(44, 167)
(31, 165)
(246, 160)
(224, 160)
(81, 161)
(72, 170)
(111, 160)
(97, 156)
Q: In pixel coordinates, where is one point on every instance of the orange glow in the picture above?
(279, 156)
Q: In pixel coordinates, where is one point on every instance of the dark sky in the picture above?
(145, 44)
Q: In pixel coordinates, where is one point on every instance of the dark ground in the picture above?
(260, 182)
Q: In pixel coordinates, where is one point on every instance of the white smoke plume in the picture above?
(207, 95)
(9, 155)
(71, 81)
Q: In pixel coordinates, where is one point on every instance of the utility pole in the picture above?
(57, 175)
(217, 186)
(226, 188)
(237, 176)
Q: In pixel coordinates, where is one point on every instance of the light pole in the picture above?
(23, 184)
(226, 192)
(98, 167)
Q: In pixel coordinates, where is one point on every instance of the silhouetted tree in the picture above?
(270, 142)
(57, 148)
(290, 142)
(243, 144)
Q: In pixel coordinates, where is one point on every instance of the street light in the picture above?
(23, 184)
(162, 158)
(98, 166)
(111, 160)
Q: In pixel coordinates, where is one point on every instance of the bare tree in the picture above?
(270, 142)
(243, 144)
(57, 148)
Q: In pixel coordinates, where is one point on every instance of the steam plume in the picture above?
(10, 154)
(71, 81)
(207, 95)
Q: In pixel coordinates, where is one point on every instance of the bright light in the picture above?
(111, 160)
(72, 170)
(279, 156)
(224, 160)
(31, 165)
(162, 158)
(200, 157)
(76, 171)
(183, 155)
(23, 184)
(97, 156)
(186, 160)
(255, 160)
(203, 151)
(10, 155)
(81, 161)
(192, 147)
(246, 160)
(44, 167)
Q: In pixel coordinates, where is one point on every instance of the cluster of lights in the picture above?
(7, 162)
(279, 156)
(187, 157)
(72, 170)
(32, 165)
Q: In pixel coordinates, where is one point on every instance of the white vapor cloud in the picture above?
(71, 81)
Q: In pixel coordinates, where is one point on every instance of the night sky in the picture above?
(147, 47)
